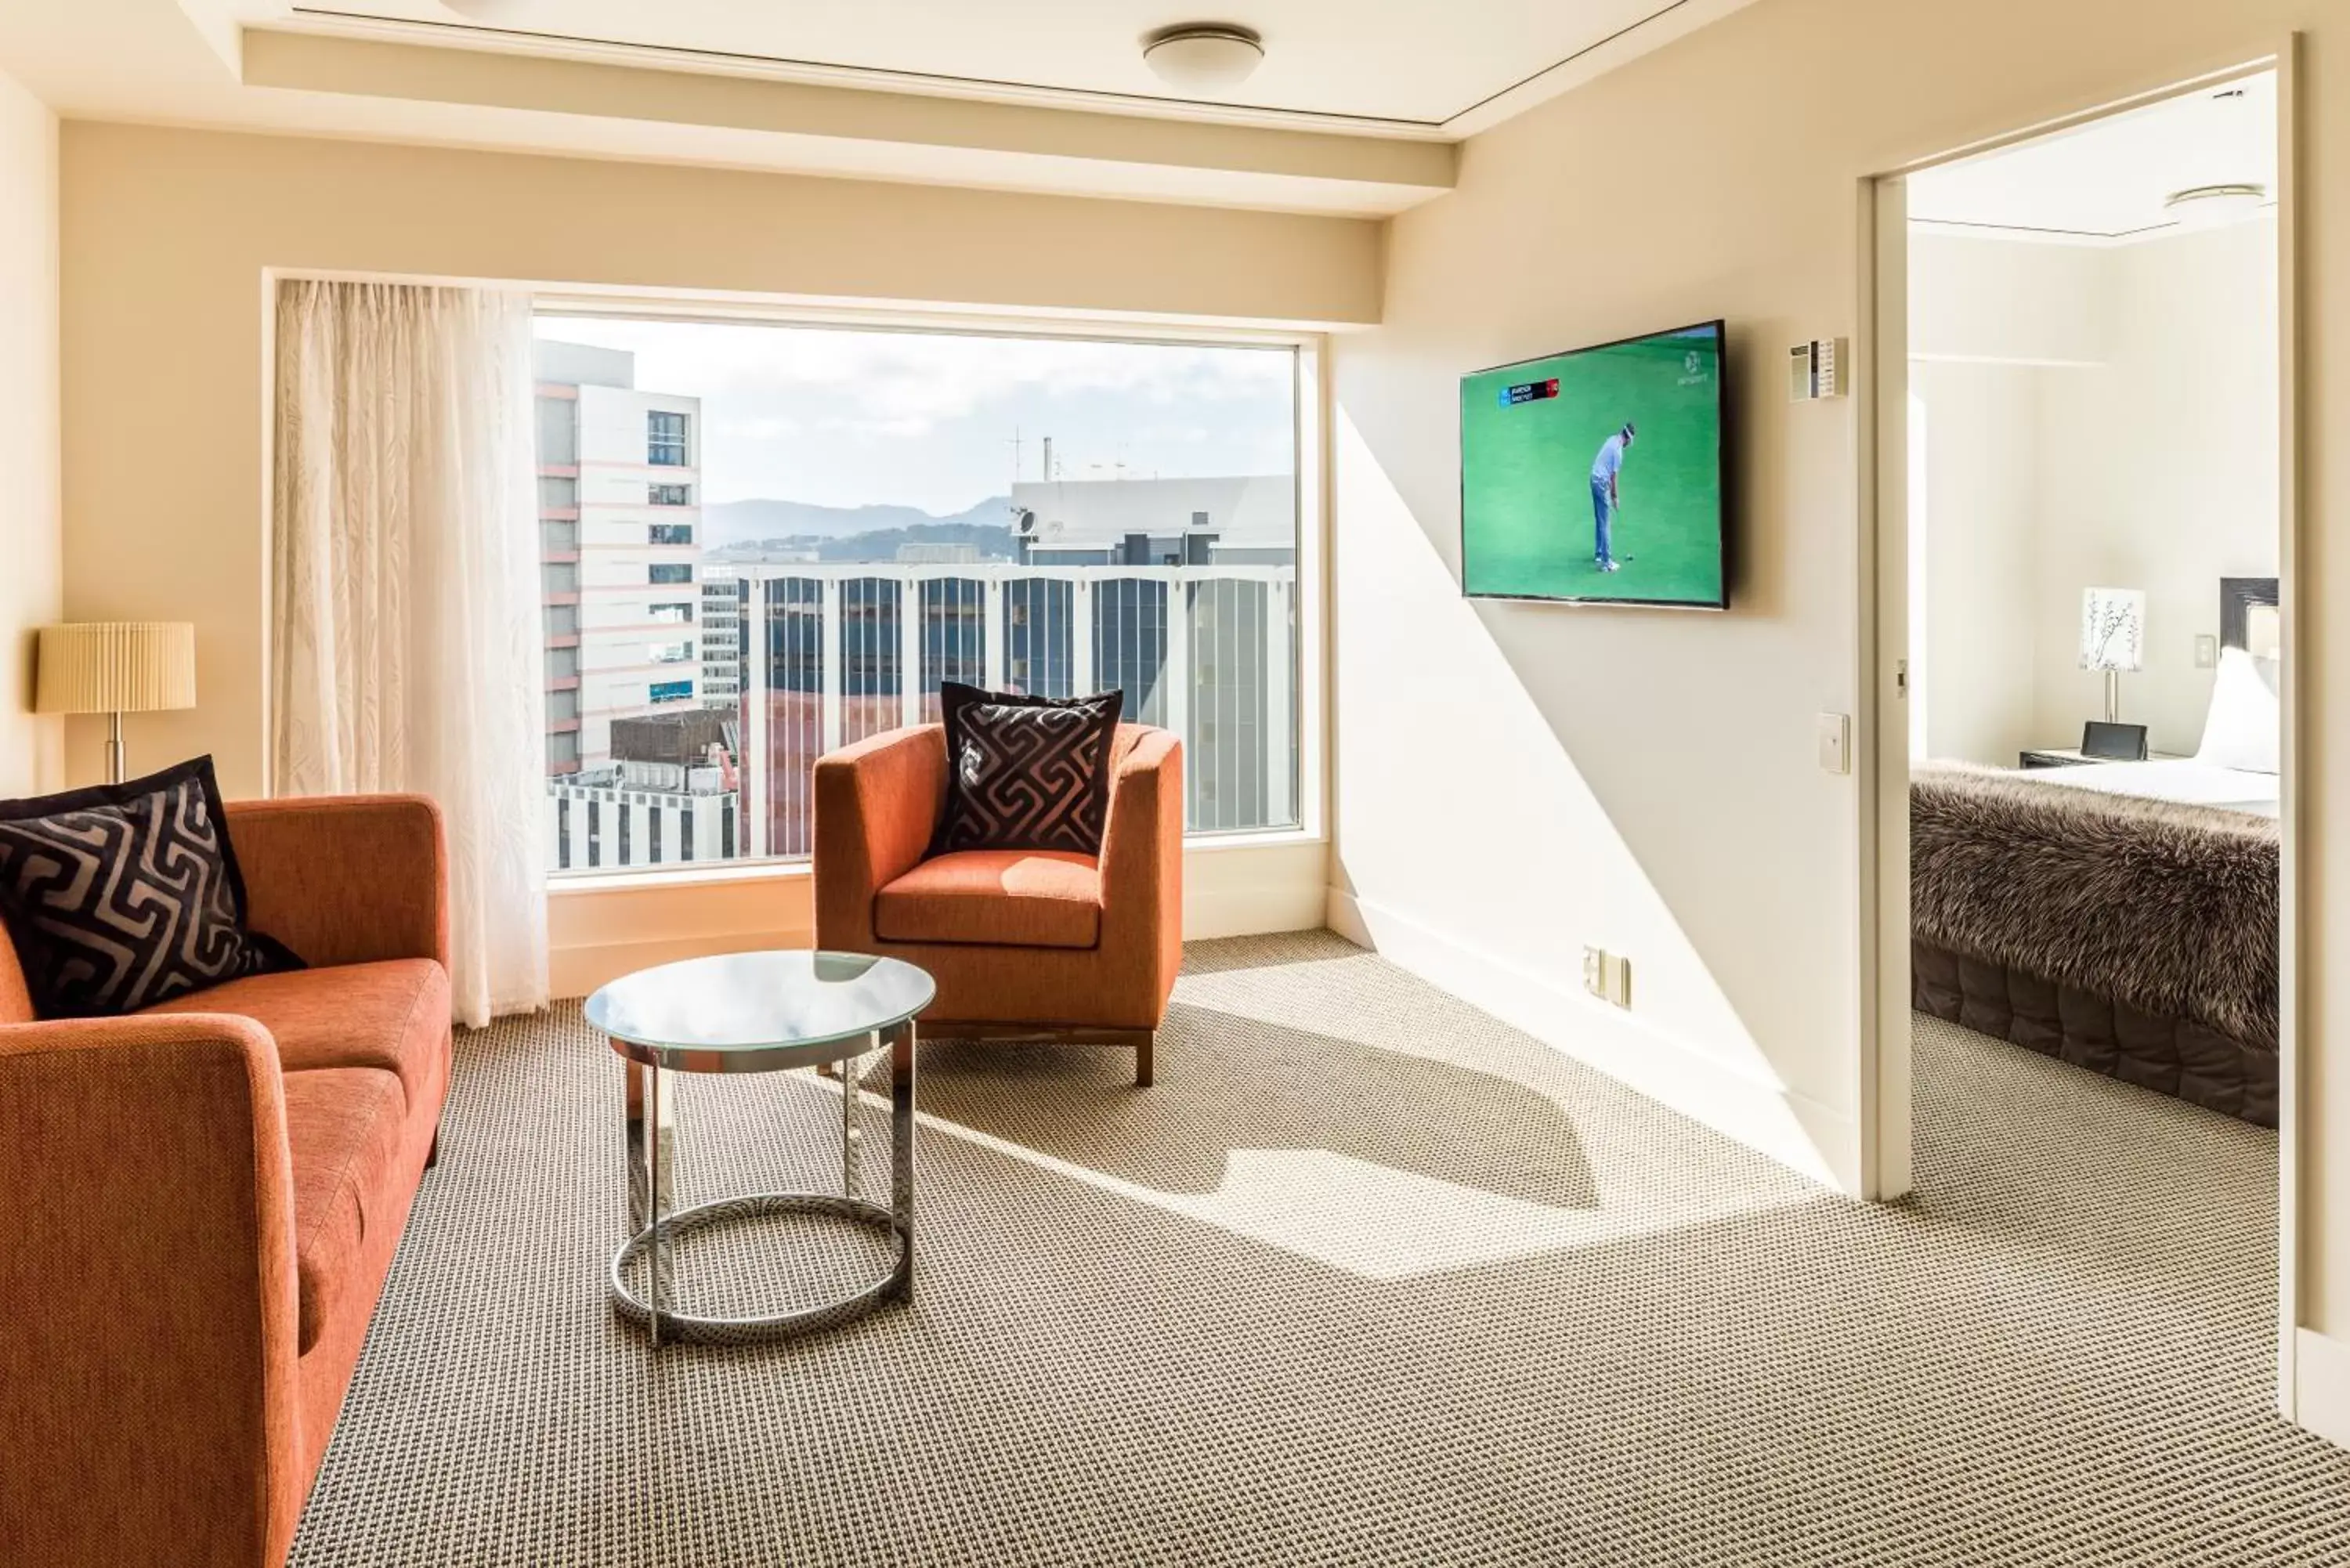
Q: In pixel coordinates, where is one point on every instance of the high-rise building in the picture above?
(619, 515)
(721, 641)
(668, 796)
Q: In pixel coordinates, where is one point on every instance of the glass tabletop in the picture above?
(741, 1012)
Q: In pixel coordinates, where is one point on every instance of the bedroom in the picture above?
(2094, 595)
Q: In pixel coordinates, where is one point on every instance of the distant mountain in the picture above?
(749, 522)
(993, 542)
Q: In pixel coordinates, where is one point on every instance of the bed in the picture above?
(2121, 917)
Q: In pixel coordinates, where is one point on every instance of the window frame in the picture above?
(657, 443)
(1311, 404)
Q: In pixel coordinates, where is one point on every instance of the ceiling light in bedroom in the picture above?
(2209, 206)
(1202, 56)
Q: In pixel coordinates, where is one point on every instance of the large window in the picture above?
(870, 513)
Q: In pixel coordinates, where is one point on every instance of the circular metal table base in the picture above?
(706, 1330)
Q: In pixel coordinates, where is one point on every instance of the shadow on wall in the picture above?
(1477, 848)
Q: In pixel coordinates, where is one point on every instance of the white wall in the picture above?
(1976, 297)
(2094, 416)
(31, 572)
(2158, 472)
(1975, 439)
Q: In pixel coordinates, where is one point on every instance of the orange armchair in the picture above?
(1024, 944)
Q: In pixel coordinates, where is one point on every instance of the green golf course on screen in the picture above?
(1596, 476)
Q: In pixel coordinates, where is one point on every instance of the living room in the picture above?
(1418, 1248)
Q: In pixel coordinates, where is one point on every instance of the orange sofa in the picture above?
(1024, 944)
(202, 1202)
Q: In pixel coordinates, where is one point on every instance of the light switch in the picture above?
(1836, 743)
(2206, 652)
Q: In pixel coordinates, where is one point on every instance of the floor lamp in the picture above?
(116, 667)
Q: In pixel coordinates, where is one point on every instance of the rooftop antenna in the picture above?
(1014, 444)
(1048, 460)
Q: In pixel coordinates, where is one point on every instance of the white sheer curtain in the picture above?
(408, 645)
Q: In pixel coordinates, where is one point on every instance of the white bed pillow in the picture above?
(2241, 729)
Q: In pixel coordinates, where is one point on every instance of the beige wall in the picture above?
(166, 234)
(1514, 781)
(31, 583)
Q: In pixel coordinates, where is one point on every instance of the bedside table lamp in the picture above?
(116, 667)
(2113, 639)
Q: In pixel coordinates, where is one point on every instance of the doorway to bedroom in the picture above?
(2081, 599)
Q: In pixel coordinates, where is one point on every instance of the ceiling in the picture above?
(1408, 63)
(1357, 109)
(2105, 182)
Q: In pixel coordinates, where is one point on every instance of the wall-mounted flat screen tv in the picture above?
(1597, 476)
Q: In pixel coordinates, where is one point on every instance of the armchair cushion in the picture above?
(1010, 898)
(121, 895)
(392, 1016)
(1026, 772)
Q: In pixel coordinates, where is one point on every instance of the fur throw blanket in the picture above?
(2171, 908)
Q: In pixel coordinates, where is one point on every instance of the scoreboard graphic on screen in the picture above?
(1529, 393)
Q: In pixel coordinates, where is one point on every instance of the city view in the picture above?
(762, 543)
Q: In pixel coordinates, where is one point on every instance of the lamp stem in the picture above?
(115, 770)
(2112, 696)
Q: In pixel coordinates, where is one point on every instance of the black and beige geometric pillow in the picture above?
(123, 896)
(1026, 772)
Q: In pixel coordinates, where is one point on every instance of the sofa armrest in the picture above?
(148, 1379)
(877, 805)
(1143, 858)
(346, 878)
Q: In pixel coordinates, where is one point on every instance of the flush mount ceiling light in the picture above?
(1200, 57)
(492, 13)
(2203, 206)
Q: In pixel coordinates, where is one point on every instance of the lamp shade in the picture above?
(116, 667)
(2112, 628)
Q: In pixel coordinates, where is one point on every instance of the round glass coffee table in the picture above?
(759, 1012)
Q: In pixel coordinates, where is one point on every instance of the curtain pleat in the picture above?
(409, 647)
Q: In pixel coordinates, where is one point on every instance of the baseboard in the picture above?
(1814, 1139)
(2321, 1385)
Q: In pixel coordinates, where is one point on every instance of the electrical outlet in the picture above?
(2206, 652)
(1607, 976)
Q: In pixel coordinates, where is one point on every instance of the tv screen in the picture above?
(1596, 477)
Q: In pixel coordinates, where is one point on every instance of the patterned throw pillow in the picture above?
(126, 895)
(1026, 772)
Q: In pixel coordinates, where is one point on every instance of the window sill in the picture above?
(587, 883)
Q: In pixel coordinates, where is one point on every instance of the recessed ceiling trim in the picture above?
(1253, 165)
(819, 73)
(1668, 21)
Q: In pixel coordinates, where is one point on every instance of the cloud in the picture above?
(846, 416)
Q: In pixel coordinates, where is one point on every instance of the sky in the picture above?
(850, 418)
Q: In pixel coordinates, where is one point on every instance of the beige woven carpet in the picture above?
(1366, 1279)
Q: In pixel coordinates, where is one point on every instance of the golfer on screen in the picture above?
(1605, 468)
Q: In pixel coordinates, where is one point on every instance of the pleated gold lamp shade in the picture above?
(116, 667)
